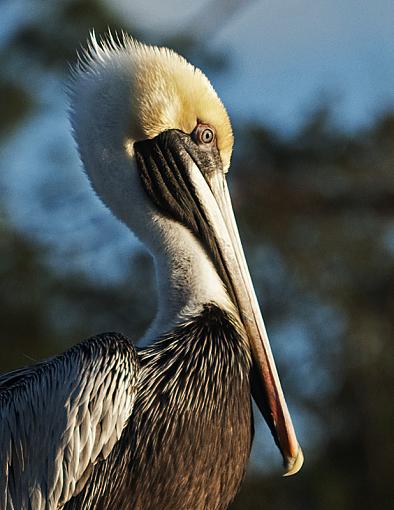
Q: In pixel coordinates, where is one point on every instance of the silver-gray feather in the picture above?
(74, 407)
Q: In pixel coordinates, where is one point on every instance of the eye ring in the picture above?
(207, 135)
(204, 134)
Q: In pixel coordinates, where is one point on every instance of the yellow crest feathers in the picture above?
(166, 91)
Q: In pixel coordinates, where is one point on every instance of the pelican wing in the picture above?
(60, 417)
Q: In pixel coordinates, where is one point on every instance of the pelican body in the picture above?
(107, 426)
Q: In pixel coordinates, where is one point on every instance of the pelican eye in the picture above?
(204, 134)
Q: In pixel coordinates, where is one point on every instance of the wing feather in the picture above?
(59, 417)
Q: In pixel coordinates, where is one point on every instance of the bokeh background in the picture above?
(309, 86)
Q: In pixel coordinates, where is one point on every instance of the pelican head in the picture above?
(156, 143)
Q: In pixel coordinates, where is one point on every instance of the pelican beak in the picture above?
(171, 166)
(266, 387)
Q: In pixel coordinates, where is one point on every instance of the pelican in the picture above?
(169, 426)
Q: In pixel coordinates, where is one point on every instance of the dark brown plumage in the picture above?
(192, 422)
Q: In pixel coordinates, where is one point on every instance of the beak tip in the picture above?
(294, 464)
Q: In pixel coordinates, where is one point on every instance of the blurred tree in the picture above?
(16, 103)
(325, 201)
